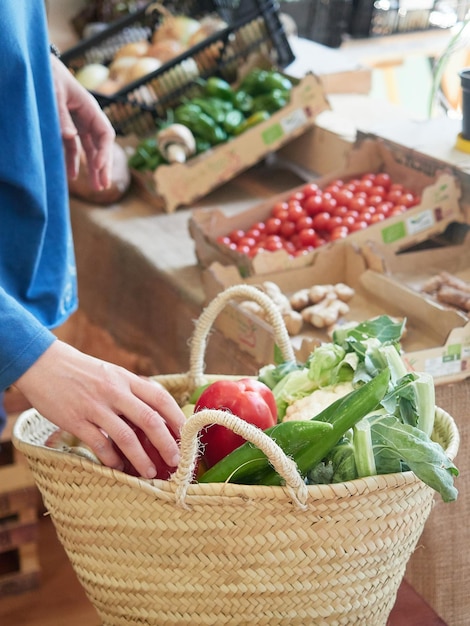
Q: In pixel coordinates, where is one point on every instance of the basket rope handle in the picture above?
(212, 310)
(189, 448)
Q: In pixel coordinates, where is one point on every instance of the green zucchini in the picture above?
(247, 464)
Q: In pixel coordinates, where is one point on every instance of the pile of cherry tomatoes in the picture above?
(314, 216)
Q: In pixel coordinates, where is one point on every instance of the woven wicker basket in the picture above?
(170, 552)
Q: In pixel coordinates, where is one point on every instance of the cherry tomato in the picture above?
(298, 196)
(244, 249)
(333, 222)
(377, 190)
(287, 229)
(272, 243)
(249, 399)
(290, 248)
(247, 241)
(304, 222)
(344, 196)
(340, 210)
(384, 208)
(398, 209)
(313, 205)
(254, 233)
(295, 212)
(377, 217)
(357, 203)
(340, 232)
(366, 216)
(279, 209)
(329, 203)
(261, 226)
(365, 184)
(407, 199)
(348, 221)
(321, 220)
(273, 225)
(308, 237)
(352, 184)
(358, 225)
(383, 179)
(312, 189)
(236, 235)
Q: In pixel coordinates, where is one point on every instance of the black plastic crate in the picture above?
(254, 26)
(323, 21)
(375, 18)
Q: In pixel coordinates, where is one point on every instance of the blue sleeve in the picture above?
(22, 339)
(37, 264)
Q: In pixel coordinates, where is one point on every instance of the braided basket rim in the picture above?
(38, 451)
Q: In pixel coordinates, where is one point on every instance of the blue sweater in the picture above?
(37, 267)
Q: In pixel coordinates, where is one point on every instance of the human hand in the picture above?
(86, 396)
(83, 125)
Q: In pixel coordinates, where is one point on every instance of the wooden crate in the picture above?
(19, 505)
(19, 569)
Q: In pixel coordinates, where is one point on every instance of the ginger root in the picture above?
(449, 289)
(322, 305)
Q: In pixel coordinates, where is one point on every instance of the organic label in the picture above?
(394, 232)
(272, 134)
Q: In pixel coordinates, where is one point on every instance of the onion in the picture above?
(178, 27)
(109, 86)
(166, 49)
(119, 68)
(207, 26)
(92, 75)
(133, 49)
(142, 67)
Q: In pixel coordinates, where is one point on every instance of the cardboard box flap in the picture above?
(417, 267)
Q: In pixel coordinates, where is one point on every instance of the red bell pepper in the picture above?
(249, 399)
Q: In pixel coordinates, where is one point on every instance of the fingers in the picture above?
(72, 155)
(99, 155)
(96, 395)
(152, 409)
(83, 124)
(117, 430)
(100, 444)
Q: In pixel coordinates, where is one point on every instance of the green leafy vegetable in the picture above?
(393, 436)
(386, 445)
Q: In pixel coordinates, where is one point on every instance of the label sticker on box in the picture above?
(443, 367)
(296, 119)
(420, 222)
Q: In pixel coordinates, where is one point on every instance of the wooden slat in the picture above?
(18, 528)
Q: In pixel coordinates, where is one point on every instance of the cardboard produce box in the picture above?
(448, 360)
(434, 181)
(429, 325)
(179, 184)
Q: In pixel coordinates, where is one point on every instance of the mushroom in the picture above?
(176, 143)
